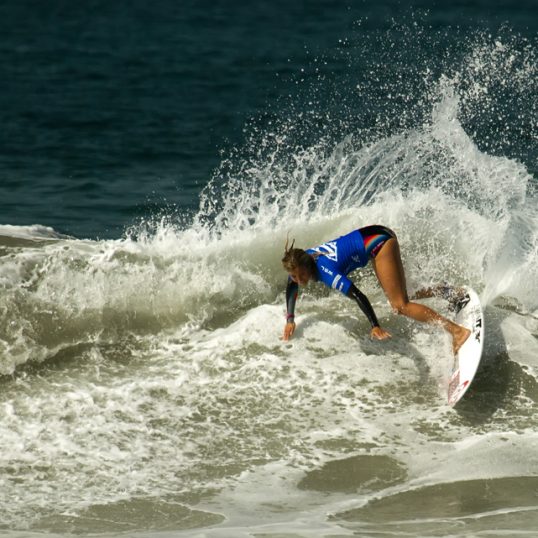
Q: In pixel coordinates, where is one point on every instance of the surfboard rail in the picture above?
(469, 314)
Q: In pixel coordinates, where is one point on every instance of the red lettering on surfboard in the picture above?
(454, 382)
(454, 397)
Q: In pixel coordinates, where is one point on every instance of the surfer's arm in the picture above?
(364, 304)
(292, 289)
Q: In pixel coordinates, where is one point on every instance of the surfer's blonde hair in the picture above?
(296, 257)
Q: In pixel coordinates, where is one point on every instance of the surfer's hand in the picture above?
(289, 329)
(379, 334)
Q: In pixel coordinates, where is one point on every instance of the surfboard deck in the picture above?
(469, 314)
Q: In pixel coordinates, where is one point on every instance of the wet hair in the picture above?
(297, 257)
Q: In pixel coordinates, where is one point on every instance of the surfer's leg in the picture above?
(454, 296)
(390, 273)
(427, 293)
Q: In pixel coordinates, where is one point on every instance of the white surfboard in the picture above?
(468, 314)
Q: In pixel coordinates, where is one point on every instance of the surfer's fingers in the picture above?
(379, 334)
(289, 329)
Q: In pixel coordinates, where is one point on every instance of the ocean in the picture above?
(153, 159)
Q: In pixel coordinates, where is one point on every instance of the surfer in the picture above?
(331, 262)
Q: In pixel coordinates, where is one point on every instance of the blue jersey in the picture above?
(337, 258)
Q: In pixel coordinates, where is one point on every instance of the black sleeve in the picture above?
(364, 304)
(292, 290)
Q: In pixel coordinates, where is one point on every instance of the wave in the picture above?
(462, 215)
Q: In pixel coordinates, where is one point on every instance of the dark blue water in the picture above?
(113, 112)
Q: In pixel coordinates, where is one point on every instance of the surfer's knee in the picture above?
(400, 307)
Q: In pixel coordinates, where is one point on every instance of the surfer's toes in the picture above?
(460, 338)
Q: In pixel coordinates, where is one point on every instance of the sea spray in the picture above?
(461, 215)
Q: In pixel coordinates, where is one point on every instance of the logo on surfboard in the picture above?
(455, 389)
(477, 329)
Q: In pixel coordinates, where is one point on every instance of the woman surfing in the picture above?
(332, 261)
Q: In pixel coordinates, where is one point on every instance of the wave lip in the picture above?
(12, 236)
(34, 231)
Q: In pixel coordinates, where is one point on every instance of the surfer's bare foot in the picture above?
(459, 336)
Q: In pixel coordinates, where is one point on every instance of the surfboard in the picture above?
(469, 314)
